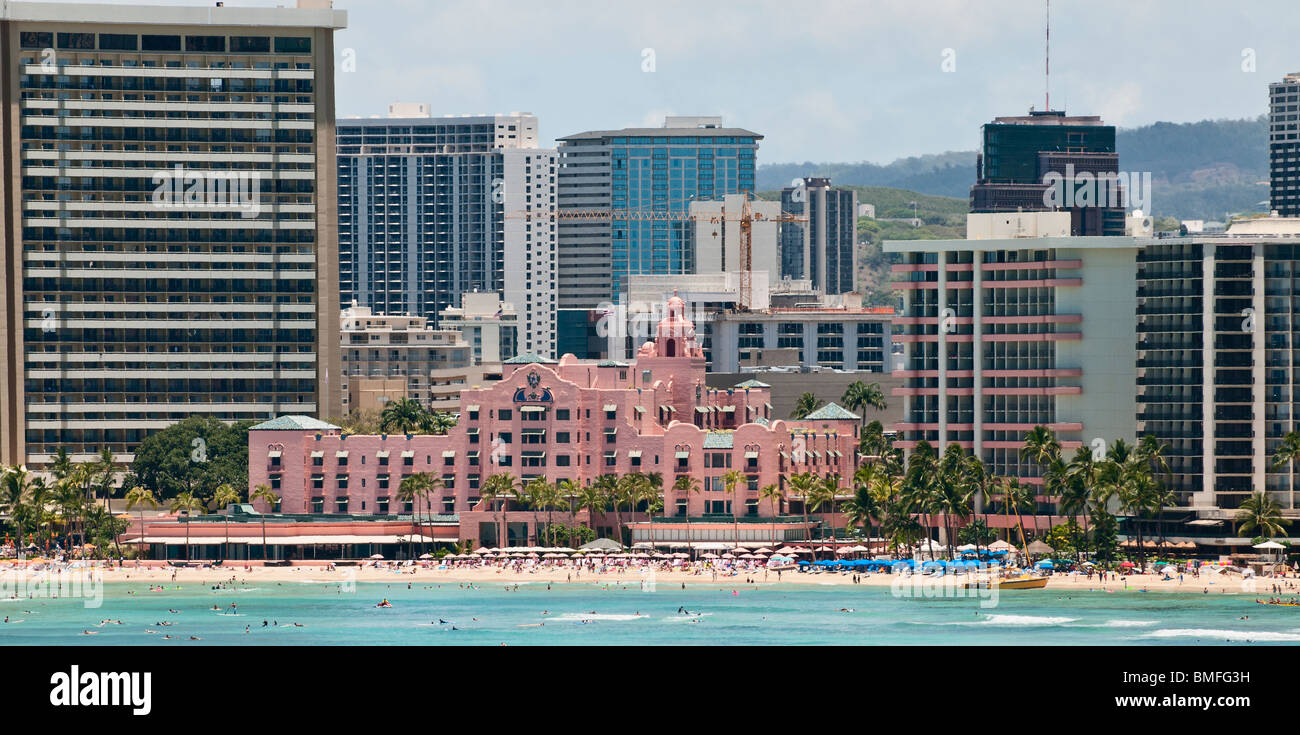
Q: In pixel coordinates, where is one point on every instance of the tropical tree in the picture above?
(569, 494)
(1262, 514)
(222, 499)
(441, 422)
(731, 482)
(544, 497)
(186, 503)
(804, 405)
(265, 494)
(802, 485)
(688, 486)
(592, 498)
(497, 490)
(139, 497)
(405, 416)
(822, 494)
(860, 396)
(862, 510)
(774, 495)
(1287, 454)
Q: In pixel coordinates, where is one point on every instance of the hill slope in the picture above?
(1199, 170)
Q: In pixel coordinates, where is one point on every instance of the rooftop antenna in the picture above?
(1047, 61)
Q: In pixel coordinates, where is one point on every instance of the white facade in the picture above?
(717, 236)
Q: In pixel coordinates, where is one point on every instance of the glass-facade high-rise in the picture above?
(646, 178)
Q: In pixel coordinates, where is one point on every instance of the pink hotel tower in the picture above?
(574, 420)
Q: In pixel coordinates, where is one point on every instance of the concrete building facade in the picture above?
(823, 250)
(168, 219)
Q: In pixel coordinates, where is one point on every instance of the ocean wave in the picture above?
(1127, 623)
(579, 617)
(1231, 635)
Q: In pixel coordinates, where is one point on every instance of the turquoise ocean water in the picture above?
(600, 614)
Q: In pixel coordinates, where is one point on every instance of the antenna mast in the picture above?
(1048, 57)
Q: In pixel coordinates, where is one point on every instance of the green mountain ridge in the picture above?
(1199, 170)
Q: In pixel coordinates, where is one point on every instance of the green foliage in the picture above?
(571, 536)
(1104, 534)
(1063, 537)
(172, 461)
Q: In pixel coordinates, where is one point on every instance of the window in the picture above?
(293, 45)
(561, 414)
(561, 460)
(341, 504)
(343, 482)
(318, 505)
(381, 505)
(36, 39)
(504, 414)
(77, 41)
(207, 44)
(160, 43)
(506, 437)
(275, 482)
(249, 44)
(561, 437)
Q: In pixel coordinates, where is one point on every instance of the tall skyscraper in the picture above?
(1284, 145)
(430, 208)
(1019, 153)
(655, 172)
(823, 249)
(168, 220)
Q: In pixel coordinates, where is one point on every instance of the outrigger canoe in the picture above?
(1279, 604)
(1014, 583)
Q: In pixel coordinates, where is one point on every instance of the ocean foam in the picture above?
(1230, 635)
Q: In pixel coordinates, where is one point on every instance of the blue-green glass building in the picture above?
(655, 173)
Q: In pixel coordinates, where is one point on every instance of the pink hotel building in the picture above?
(574, 420)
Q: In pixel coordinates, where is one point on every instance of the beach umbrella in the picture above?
(1127, 564)
(1269, 545)
(426, 556)
(377, 556)
(762, 550)
(710, 556)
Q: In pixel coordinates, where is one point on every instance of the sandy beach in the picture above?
(491, 576)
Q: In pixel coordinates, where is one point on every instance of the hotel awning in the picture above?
(408, 454)
(449, 453)
(534, 454)
(472, 408)
(682, 455)
(532, 409)
(472, 455)
(634, 453)
(274, 454)
(727, 409)
(472, 430)
(611, 431)
(639, 409)
(317, 455)
(769, 406)
(701, 409)
(785, 456)
(751, 455)
(382, 454)
(613, 453)
(611, 407)
(341, 454)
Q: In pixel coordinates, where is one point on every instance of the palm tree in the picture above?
(610, 486)
(139, 496)
(267, 496)
(186, 503)
(223, 498)
(544, 497)
(730, 483)
(441, 422)
(862, 510)
(860, 396)
(105, 469)
(1288, 452)
(413, 489)
(804, 405)
(773, 494)
(802, 485)
(688, 486)
(1261, 513)
(568, 492)
(821, 494)
(651, 491)
(497, 490)
(1014, 496)
(591, 498)
(405, 416)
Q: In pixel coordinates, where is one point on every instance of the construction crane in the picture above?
(746, 219)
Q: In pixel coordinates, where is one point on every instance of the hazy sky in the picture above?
(823, 80)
